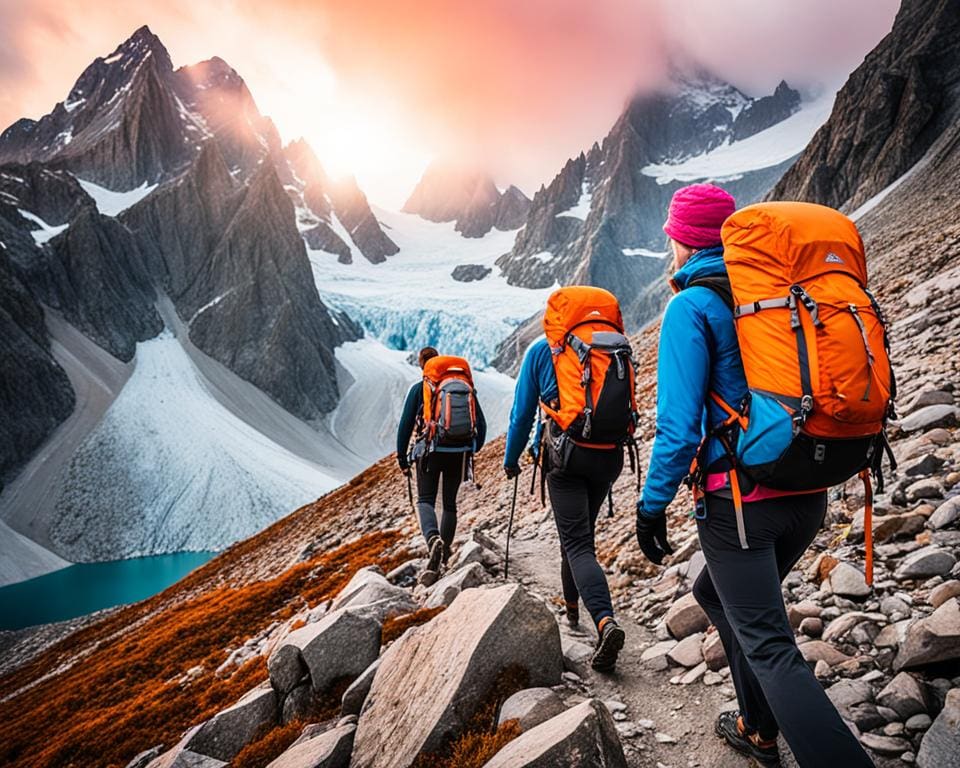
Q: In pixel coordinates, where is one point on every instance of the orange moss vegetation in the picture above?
(270, 746)
(395, 626)
(276, 739)
(127, 693)
(474, 750)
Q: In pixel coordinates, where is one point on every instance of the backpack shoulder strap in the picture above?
(719, 284)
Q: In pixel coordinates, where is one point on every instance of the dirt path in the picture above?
(684, 712)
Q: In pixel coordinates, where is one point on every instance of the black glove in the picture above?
(404, 465)
(652, 536)
(511, 472)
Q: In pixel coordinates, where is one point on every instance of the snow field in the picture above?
(762, 150)
(169, 468)
(412, 300)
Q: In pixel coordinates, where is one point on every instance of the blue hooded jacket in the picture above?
(698, 352)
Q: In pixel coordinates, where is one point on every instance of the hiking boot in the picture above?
(572, 610)
(432, 571)
(609, 645)
(730, 728)
(447, 552)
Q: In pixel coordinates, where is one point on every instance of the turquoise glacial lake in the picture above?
(87, 587)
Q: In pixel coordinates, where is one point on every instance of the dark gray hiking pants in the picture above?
(577, 493)
(432, 470)
(740, 591)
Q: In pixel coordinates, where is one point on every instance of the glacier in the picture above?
(171, 468)
(412, 300)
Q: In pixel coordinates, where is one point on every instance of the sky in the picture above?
(380, 88)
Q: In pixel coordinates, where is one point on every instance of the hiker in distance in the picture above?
(581, 378)
(450, 428)
(760, 471)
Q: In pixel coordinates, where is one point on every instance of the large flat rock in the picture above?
(342, 644)
(330, 749)
(940, 747)
(432, 681)
(933, 639)
(584, 735)
(230, 730)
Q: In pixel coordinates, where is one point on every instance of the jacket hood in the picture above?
(705, 263)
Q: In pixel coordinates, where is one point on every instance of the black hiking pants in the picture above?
(740, 592)
(577, 493)
(431, 470)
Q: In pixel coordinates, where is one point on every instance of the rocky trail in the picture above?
(660, 723)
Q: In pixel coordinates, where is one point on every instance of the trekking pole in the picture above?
(410, 492)
(513, 507)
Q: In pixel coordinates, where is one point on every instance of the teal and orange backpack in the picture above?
(815, 353)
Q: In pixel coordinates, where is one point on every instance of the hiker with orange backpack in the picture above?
(581, 378)
(451, 428)
(773, 383)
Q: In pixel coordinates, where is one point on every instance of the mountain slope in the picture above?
(332, 215)
(165, 202)
(889, 113)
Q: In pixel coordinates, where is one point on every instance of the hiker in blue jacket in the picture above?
(438, 473)
(577, 493)
(740, 588)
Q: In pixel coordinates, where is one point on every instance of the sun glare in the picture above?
(370, 145)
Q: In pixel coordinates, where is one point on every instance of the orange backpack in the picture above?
(594, 367)
(449, 419)
(814, 349)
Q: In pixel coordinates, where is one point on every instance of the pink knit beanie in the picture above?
(697, 213)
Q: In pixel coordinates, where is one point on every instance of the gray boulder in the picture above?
(942, 415)
(926, 562)
(286, 667)
(943, 592)
(450, 667)
(330, 749)
(927, 488)
(179, 756)
(229, 731)
(946, 514)
(467, 273)
(687, 653)
(583, 735)
(905, 695)
(714, 653)
(576, 655)
(470, 552)
(446, 590)
(931, 397)
(356, 694)
(849, 693)
(685, 617)
(298, 704)
(371, 589)
(933, 639)
(342, 644)
(818, 650)
(885, 745)
(840, 626)
(530, 707)
(940, 747)
(847, 581)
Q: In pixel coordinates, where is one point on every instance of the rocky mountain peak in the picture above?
(888, 114)
(468, 196)
(304, 162)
